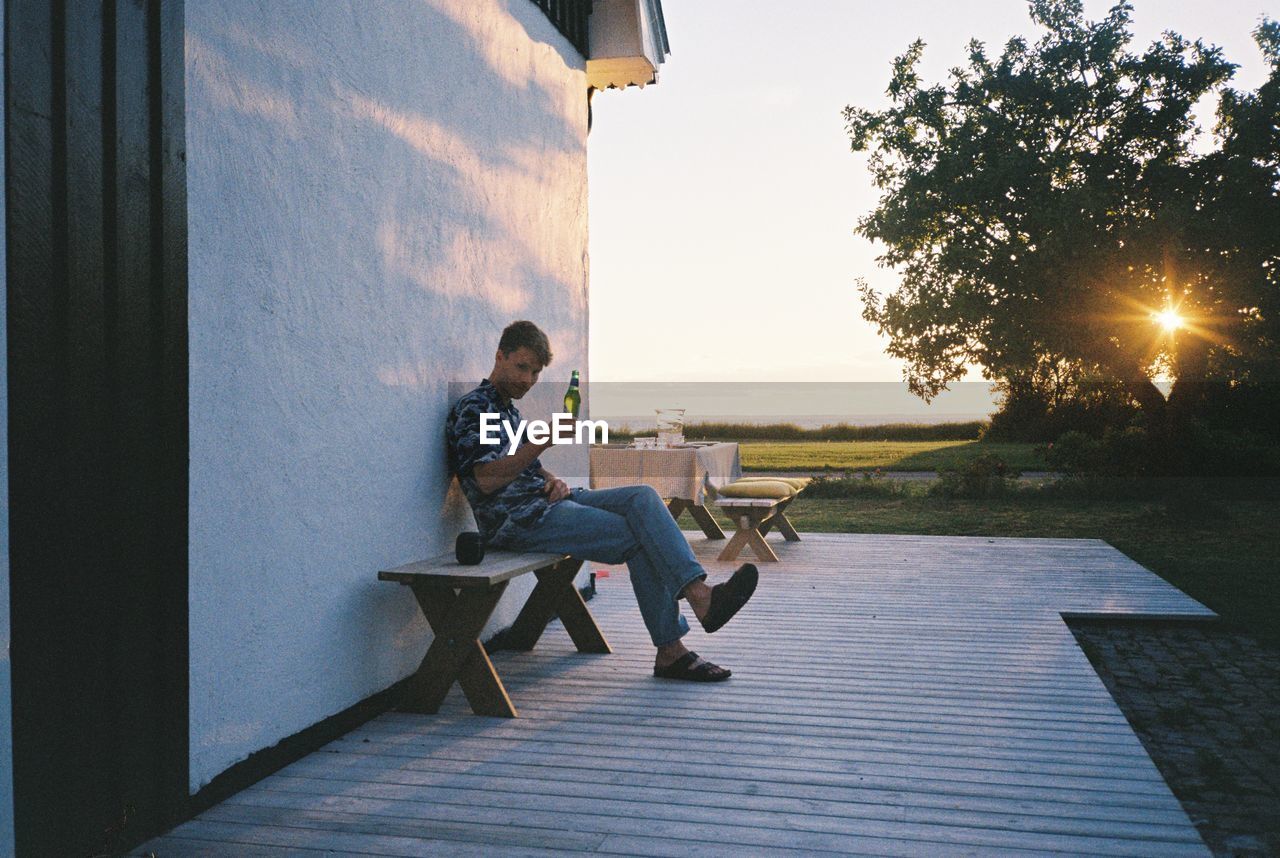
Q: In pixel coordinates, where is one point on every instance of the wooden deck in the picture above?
(892, 695)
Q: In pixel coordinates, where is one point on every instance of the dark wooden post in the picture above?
(97, 365)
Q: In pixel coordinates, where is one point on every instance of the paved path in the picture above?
(910, 476)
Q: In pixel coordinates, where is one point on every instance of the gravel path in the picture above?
(913, 476)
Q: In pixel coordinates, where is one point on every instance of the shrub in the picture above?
(1130, 452)
(1197, 450)
(1205, 450)
(863, 485)
(1073, 453)
(1127, 452)
(983, 476)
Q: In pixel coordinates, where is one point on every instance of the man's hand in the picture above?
(493, 475)
(556, 489)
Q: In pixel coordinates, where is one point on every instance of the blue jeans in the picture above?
(632, 525)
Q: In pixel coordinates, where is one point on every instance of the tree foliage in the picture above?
(1040, 205)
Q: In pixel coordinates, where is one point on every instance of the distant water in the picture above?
(806, 404)
(642, 422)
(809, 405)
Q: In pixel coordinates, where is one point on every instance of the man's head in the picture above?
(522, 354)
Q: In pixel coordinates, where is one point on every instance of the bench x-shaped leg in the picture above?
(784, 524)
(700, 514)
(749, 521)
(555, 595)
(456, 654)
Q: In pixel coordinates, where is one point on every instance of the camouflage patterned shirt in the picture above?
(517, 506)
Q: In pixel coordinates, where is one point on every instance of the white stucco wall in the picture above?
(6, 684)
(375, 189)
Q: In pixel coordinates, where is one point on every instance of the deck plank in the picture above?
(892, 695)
(714, 789)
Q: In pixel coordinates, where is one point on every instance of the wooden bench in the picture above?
(755, 517)
(458, 600)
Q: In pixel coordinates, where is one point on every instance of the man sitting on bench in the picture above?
(520, 505)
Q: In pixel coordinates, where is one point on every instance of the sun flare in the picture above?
(1168, 319)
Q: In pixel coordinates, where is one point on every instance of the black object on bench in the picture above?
(457, 602)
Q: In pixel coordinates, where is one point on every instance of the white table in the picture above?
(680, 475)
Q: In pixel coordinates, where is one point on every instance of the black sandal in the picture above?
(728, 598)
(693, 669)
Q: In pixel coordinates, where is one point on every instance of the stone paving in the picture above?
(1205, 701)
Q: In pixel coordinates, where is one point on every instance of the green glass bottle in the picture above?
(572, 397)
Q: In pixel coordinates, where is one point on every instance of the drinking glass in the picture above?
(670, 426)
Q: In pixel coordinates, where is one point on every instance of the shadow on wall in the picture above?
(451, 164)
(489, 157)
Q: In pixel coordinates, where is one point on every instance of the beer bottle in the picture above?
(572, 397)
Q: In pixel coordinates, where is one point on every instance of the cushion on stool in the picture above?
(797, 483)
(757, 489)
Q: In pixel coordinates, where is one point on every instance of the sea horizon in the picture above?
(646, 423)
(809, 405)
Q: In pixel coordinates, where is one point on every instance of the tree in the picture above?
(1234, 245)
(1042, 206)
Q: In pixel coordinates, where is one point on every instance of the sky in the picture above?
(723, 199)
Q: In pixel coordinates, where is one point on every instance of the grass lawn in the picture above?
(887, 455)
(1213, 539)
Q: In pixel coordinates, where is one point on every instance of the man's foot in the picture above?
(690, 668)
(698, 595)
(728, 598)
